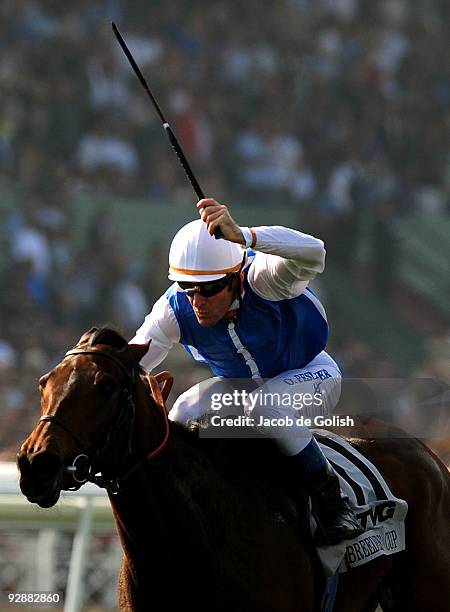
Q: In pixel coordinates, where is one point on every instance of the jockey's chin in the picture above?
(210, 310)
(208, 319)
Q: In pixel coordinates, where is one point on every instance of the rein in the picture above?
(126, 413)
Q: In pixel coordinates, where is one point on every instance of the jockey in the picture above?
(242, 305)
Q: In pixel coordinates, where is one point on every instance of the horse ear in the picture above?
(133, 353)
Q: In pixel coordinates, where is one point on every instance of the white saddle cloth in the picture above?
(381, 513)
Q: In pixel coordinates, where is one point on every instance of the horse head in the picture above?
(88, 414)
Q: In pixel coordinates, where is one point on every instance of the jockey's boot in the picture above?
(335, 517)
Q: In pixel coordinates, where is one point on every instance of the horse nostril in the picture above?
(45, 465)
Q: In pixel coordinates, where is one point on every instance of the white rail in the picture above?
(78, 509)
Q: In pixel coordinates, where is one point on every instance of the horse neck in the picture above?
(149, 426)
(184, 527)
(170, 498)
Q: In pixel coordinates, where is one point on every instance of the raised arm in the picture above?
(286, 259)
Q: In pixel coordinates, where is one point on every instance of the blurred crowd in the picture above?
(336, 108)
(340, 101)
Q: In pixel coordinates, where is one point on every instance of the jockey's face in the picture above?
(210, 310)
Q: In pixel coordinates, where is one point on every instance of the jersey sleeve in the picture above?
(161, 327)
(285, 261)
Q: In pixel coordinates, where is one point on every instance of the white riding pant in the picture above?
(275, 406)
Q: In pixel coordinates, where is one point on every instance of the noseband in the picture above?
(82, 466)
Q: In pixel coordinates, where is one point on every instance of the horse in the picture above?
(210, 524)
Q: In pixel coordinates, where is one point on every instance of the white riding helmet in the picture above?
(195, 256)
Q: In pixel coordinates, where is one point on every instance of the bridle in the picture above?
(81, 468)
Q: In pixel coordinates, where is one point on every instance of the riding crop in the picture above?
(171, 136)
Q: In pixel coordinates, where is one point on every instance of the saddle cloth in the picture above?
(381, 514)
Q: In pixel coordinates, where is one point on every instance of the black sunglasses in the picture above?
(206, 289)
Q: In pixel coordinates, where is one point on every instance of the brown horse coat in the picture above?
(208, 524)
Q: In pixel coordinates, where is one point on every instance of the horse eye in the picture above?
(105, 388)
